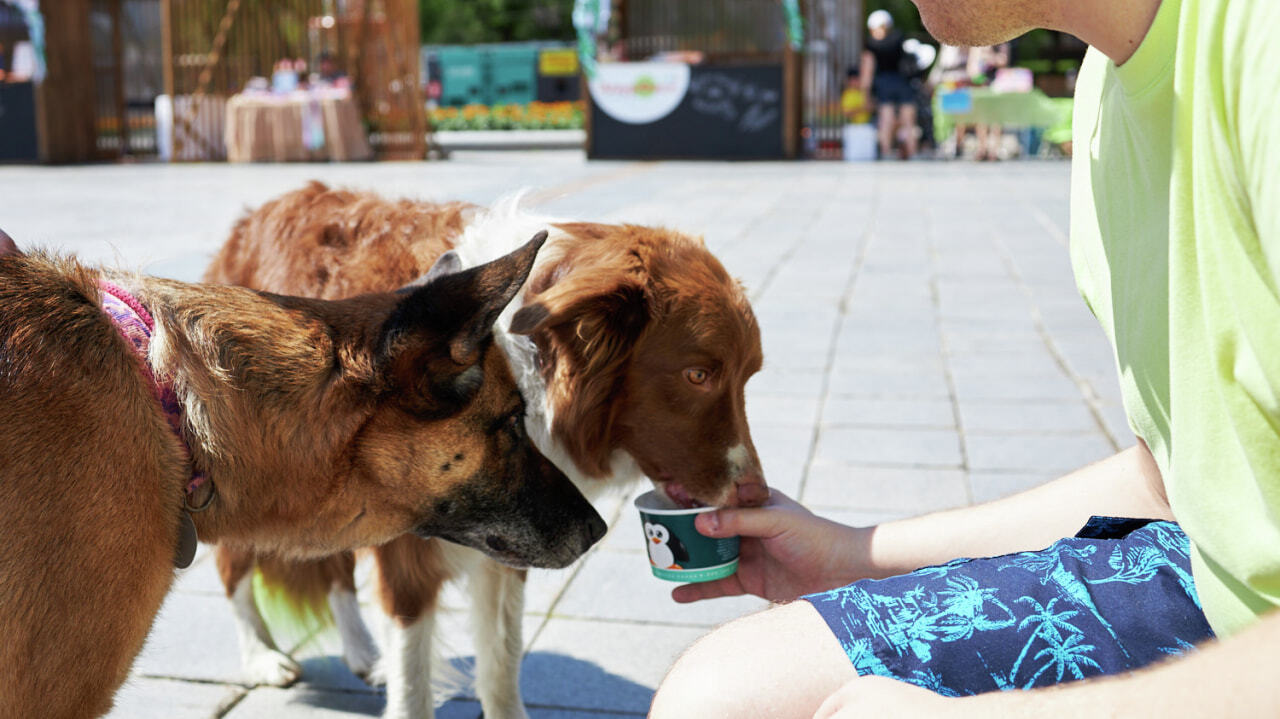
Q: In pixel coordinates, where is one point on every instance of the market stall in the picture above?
(301, 126)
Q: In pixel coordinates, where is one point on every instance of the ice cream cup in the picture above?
(676, 550)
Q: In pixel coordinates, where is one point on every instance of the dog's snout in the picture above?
(596, 529)
(496, 543)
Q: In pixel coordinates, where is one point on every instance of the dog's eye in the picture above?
(696, 375)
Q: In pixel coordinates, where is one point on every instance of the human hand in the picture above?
(786, 551)
(871, 696)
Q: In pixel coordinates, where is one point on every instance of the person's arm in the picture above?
(1231, 678)
(866, 71)
(1127, 484)
(788, 551)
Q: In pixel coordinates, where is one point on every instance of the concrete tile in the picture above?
(888, 361)
(322, 704)
(978, 386)
(779, 380)
(626, 535)
(619, 586)
(988, 486)
(883, 489)
(200, 578)
(187, 621)
(1035, 453)
(765, 409)
(885, 413)
(890, 384)
(611, 666)
(904, 447)
(535, 713)
(1038, 361)
(858, 518)
(985, 417)
(143, 698)
(1117, 423)
(783, 453)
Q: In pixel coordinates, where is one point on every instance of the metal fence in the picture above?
(833, 44)
(125, 37)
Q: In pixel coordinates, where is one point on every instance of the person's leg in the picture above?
(885, 124)
(961, 130)
(911, 137)
(980, 132)
(782, 662)
(995, 138)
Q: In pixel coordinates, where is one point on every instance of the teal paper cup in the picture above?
(676, 551)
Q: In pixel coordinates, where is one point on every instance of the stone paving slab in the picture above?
(925, 348)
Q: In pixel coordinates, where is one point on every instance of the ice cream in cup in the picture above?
(677, 551)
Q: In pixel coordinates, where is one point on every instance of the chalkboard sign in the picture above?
(18, 122)
(672, 110)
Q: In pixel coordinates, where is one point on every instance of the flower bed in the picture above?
(534, 116)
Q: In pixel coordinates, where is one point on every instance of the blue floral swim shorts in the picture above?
(1115, 597)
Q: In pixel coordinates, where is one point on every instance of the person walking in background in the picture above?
(881, 77)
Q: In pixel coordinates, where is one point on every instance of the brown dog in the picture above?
(307, 428)
(631, 344)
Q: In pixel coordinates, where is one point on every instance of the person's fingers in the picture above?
(767, 521)
(727, 587)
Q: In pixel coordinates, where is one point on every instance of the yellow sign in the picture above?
(558, 63)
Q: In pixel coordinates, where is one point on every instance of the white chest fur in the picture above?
(490, 235)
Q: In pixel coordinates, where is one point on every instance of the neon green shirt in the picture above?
(1175, 242)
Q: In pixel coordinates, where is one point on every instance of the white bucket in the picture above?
(859, 143)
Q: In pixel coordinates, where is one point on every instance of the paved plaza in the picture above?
(925, 348)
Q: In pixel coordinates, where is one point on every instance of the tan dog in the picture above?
(308, 428)
(632, 345)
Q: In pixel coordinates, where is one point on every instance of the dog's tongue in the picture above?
(677, 493)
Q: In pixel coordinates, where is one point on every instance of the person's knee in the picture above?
(782, 662)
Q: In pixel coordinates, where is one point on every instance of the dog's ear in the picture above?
(8, 246)
(589, 322)
(446, 264)
(436, 333)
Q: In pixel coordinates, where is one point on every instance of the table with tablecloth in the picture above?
(1013, 110)
(299, 126)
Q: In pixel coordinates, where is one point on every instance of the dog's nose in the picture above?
(595, 530)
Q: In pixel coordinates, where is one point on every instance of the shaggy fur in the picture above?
(323, 425)
(631, 344)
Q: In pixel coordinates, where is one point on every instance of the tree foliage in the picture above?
(448, 22)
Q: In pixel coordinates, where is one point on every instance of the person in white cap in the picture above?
(882, 78)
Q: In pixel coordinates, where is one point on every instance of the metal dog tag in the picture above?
(186, 549)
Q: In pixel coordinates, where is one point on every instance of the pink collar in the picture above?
(136, 326)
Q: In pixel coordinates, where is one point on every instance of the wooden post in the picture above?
(166, 65)
(418, 113)
(66, 98)
(117, 59)
(791, 101)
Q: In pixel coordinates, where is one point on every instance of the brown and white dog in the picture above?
(632, 346)
(137, 411)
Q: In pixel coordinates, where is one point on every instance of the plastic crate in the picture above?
(513, 75)
(463, 77)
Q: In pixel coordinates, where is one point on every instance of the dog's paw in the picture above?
(271, 667)
(375, 676)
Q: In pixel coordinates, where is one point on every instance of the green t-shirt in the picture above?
(1175, 242)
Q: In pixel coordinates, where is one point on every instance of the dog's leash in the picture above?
(136, 325)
